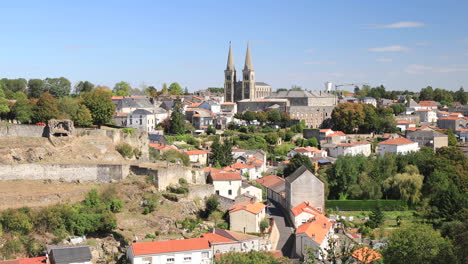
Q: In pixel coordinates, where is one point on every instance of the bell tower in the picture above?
(229, 78)
(248, 77)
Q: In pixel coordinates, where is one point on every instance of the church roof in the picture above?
(230, 62)
(292, 94)
(261, 84)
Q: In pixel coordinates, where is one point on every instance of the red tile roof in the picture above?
(194, 105)
(366, 255)
(196, 152)
(225, 176)
(270, 180)
(450, 118)
(396, 141)
(36, 260)
(159, 247)
(352, 144)
(305, 207)
(325, 130)
(428, 103)
(215, 238)
(337, 133)
(161, 147)
(239, 165)
(316, 228)
(404, 122)
(253, 208)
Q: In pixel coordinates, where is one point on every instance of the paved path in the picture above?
(286, 231)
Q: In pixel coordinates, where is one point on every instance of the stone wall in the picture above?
(200, 191)
(66, 172)
(12, 131)
(170, 175)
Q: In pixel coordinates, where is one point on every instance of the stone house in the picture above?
(198, 156)
(250, 190)
(224, 241)
(246, 217)
(310, 152)
(303, 186)
(428, 137)
(275, 188)
(397, 146)
(226, 184)
(403, 125)
(452, 122)
(141, 119)
(336, 137)
(425, 115)
(369, 100)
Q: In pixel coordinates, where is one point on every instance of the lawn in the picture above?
(389, 217)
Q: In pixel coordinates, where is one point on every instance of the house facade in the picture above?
(314, 234)
(141, 119)
(198, 156)
(428, 137)
(303, 186)
(275, 188)
(226, 184)
(397, 146)
(351, 149)
(246, 217)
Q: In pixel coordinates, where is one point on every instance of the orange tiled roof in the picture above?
(352, 144)
(427, 103)
(37, 260)
(253, 208)
(239, 165)
(194, 105)
(117, 97)
(237, 150)
(225, 176)
(170, 246)
(337, 133)
(196, 152)
(270, 180)
(366, 255)
(215, 238)
(396, 141)
(450, 118)
(463, 129)
(161, 147)
(304, 207)
(455, 114)
(404, 122)
(325, 130)
(316, 228)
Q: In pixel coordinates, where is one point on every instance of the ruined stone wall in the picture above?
(170, 175)
(200, 191)
(12, 131)
(66, 172)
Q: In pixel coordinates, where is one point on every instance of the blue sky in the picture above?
(401, 44)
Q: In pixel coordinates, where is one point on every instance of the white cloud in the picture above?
(450, 69)
(384, 60)
(423, 44)
(310, 50)
(417, 68)
(319, 62)
(402, 24)
(395, 48)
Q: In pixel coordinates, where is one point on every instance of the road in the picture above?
(286, 230)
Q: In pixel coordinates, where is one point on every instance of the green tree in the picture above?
(211, 130)
(122, 88)
(426, 94)
(57, 87)
(406, 186)
(99, 104)
(418, 244)
(398, 108)
(45, 108)
(35, 88)
(264, 225)
(83, 117)
(297, 161)
(211, 204)
(461, 96)
(252, 257)
(175, 89)
(177, 126)
(376, 218)
(22, 110)
(348, 117)
(452, 139)
(83, 86)
(3, 103)
(271, 138)
(261, 117)
(164, 89)
(312, 142)
(274, 116)
(249, 116)
(68, 106)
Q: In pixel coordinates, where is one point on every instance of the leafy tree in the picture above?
(3, 103)
(151, 91)
(68, 107)
(461, 96)
(211, 204)
(57, 87)
(99, 104)
(122, 88)
(211, 130)
(426, 94)
(175, 88)
(249, 116)
(285, 117)
(418, 244)
(221, 153)
(35, 88)
(452, 139)
(261, 117)
(216, 217)
(177, 126)
(83, 116)
(274, 116)
(13, 85)
(376, 218)
(406, 186)
(272, 138)
(398, 108)
(252, 257)
(297, 161)
(348, 117)
(22, 110)
(45, 108)
(164, 89)
(83, 86)
(312, 142)
(264, 225)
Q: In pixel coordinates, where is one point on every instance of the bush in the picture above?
(179, 190)
(125, 150)
(16, 222)
(137, 152)
(115, 205)
(150, 236)
(222, 225)
(128, 131)
(182, 181)
(367, 205)
(174, 155)
(211, 204)
(189, 223)
(264, 225)
(151, 203)
(171, 197)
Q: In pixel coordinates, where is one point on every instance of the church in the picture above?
(234, 90)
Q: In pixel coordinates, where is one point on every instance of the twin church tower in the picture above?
(234, 90)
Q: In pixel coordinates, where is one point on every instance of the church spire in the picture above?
(230, 62)
(248, 59)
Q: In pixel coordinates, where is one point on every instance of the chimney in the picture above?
(253, 200)
(324, 226)
(313, 236)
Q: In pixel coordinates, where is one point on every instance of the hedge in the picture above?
(367, 205)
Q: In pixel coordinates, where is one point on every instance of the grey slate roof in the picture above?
(298, 172)
(135, 103)
(292, 94)
(141, 112)
(425, 133)
(261, 84)
(68, 255)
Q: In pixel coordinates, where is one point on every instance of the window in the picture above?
(187, 259)
(206, 254)
(170, 260)
(229, 192)
(217, 192)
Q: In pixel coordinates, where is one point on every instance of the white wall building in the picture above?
(226, 184)
(397, 146)
(246, 217)
(315, 235)
(426, 115)
(141, 119)
(352, 149)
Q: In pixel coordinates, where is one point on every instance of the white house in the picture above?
(369, 100)
(252, 191)
(246, 170)
(426, 115)
(226, 184)
(397, 145)
(198, 156)
(310, 152)
(225, 241)
(352, 149)
(141, 119)
(160, 114)
(314, 234)
(403, 125)
(303, 212)
(194, 250)
(246, 217)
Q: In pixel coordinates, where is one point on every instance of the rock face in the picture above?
(60, 127)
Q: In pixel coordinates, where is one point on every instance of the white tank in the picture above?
(328, 86)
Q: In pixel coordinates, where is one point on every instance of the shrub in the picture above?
(171, 197)
(174, 155)
(137, 152)
(151, 203)
(222, 225)
(128, 131)
(211, 204)
(125, 150)
(367, 205)
(178, 190)
(150, 236)
(190, 223)
(182, 181)
(16, 222)
(115, 205)
(264, 225)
